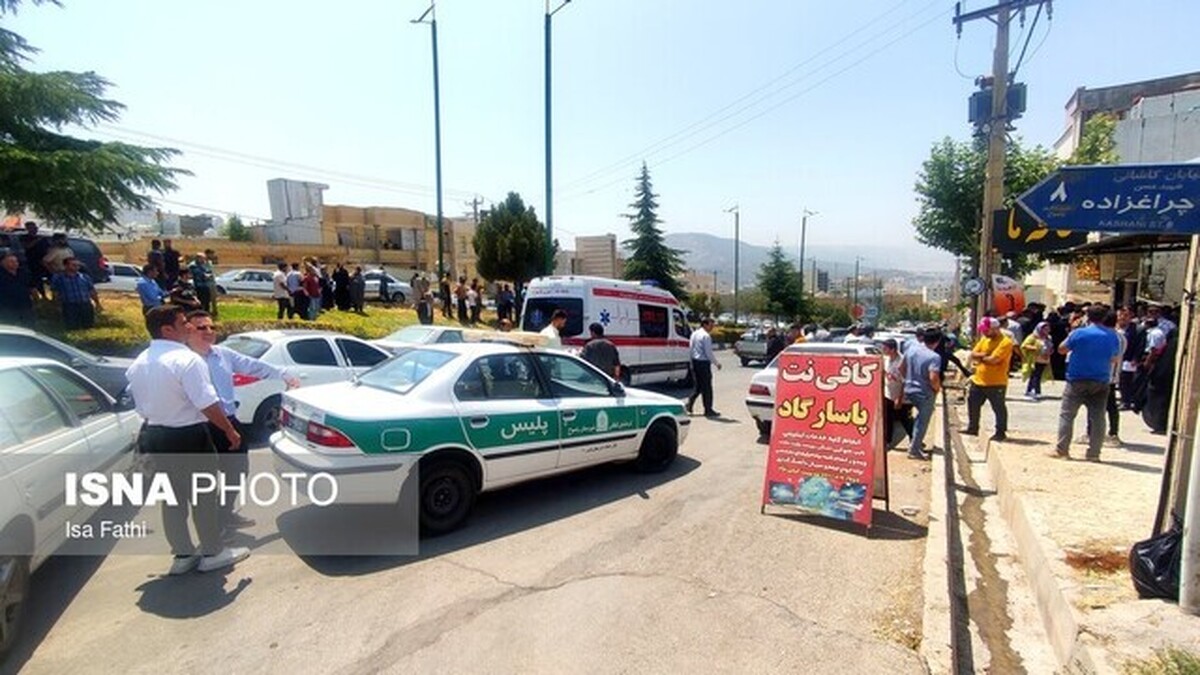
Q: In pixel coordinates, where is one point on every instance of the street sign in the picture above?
(1015, 231)
(1143, 198)
(858, 311)
(872, 312)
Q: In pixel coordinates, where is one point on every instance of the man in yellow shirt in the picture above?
(991, 357)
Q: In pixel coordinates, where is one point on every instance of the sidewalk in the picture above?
(1074, 523)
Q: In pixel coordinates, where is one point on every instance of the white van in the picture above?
(644, 321)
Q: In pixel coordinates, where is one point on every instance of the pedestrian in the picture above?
(223, 363)
(1036, 349)
(425, 308)
(553, 330)
(444, 289)
(55, 260)
(173, 392)
(154, 258)
(341, 288)
(1059, 327)
(76, 294)
(460, 296)
(183, 293)
(358, 290)
(1127, 326)
(602, 353)
(312, 293)
(703, 359)
(280, 292)
(504, 302)
(991, 357)
(775, 344)
(946, 349)
(150, 293)
(36, 247)
(295, 282)
(384, 282)
(1113, 438)
(16, 292)
(171, 259)
(202, 281)
(1092, 351)
(895, 408)
(326, 288)
(921, 369)
(473, 302)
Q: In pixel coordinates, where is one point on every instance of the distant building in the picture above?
(296, 211)
(701, 282)
(597, 256)
(935, 295)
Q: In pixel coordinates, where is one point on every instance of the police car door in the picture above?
(596, 426)
(508, 416)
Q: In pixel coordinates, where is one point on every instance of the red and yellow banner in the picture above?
(826, 435)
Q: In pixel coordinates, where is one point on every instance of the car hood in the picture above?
(647, 396)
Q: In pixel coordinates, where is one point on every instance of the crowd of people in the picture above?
(46, 263)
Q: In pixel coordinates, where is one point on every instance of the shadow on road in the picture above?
(885, 525)
(516, 509)
(187, 596)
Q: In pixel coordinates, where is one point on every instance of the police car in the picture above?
(465, 418)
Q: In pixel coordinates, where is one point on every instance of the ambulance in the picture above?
(644, 321)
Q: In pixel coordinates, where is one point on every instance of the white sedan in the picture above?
(398, 291)
(411, 337)
(313, 357)
(246, 282)
(468, 418)
(760, 400)
(53, 421)
(121, 277)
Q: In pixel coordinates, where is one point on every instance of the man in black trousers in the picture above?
(703, 359)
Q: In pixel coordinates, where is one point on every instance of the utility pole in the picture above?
(997, 132)
(475, 203)
(549, 174)
(812, 292)
(856, 261)
(804, 231)
(437, 134)
(737, 245)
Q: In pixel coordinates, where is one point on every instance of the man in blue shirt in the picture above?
(149, 291)
(921, 370)
(1092, 350)
(222, 364)
(75, 293)
(703, 359)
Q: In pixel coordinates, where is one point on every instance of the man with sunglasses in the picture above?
(222, 364)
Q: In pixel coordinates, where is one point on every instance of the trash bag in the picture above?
(1155, 564)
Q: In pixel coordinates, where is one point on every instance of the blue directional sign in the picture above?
(1146, 198)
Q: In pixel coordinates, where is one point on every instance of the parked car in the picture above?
(760, 400)
(106, 371)
(398, 291)
(313, 357)
(410, 337)
(246, 282)
(473, 417)
(122, 277)
(752, 346)
(52, 421)
(89, 255)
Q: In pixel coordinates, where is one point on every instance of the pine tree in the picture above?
(510, 243)
(780, 285)
(69, 181)
(650, 258)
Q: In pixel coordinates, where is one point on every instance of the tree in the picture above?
(705, 304)
(780, 285)
(236, 230)
(510, 243)
(950, 193)
(69, 181)
(1097, 143)
(650, 257)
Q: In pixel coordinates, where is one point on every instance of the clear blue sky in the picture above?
(850, 97)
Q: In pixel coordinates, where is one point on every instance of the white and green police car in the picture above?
(471, 417)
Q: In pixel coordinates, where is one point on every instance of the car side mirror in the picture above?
(125, 402)
(618, 389)
(78, 363)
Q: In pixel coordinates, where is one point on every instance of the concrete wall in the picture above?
(1161, 129)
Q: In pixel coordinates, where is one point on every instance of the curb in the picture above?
(1039, 558)
(935, 620)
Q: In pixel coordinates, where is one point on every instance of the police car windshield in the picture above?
(405, 371)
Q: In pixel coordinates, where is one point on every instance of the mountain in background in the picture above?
(706, 253)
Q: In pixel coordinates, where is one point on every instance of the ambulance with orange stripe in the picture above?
(645, 322)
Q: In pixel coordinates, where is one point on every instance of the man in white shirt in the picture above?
(703, 359)
(281, 292)
(553, 330)
(175, 396)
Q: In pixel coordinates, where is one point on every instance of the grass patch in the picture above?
(1167, 661)
(121, 331)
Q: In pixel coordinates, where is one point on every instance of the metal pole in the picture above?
(993, 191)
(737, 245)
(549, 180)
(856, 282)
(812, 291)
(1189, 579)
(803, 235)
(437, 142)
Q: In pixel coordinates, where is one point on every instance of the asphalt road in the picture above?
(603, 570)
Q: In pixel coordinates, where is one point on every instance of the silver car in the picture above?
(760, 400)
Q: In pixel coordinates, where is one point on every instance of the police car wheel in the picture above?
(659, 449)
(447, 494)
(14, 594)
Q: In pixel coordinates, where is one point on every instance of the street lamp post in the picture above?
(437, 132)
(737, 245)
(549, 173)
(803, 233)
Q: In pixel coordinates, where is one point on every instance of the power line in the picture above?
(1037, 15)
(755, 94)
(775, 106)
(247, 159)
(212, 209)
